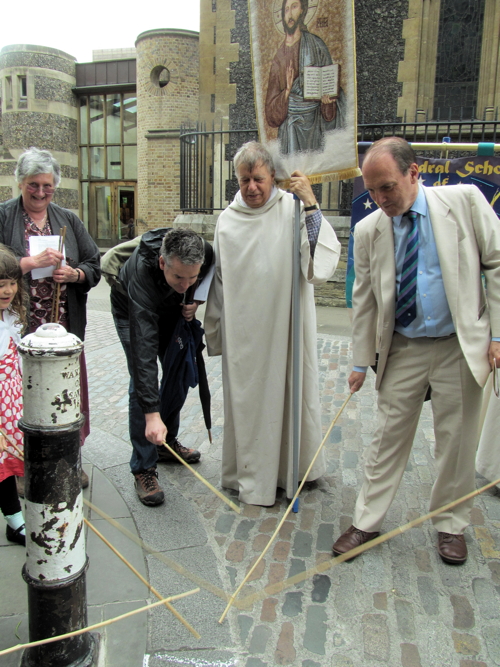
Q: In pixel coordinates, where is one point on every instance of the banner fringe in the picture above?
(314, 179)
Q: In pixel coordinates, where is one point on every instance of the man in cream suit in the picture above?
(419, 301)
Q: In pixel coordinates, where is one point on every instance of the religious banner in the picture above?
(483, 172)
(303, 59)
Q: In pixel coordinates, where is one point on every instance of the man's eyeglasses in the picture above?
(34, 187)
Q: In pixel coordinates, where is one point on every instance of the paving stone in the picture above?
(465, 643)
(341, 661)
(259, 570)
(245, 623)
(492, 640)
(345, 599)
(260, 636)
(297, 566)
(315, 633)
(235, 552)
(324, 538)
(410, 656)
(232, 575)
(285, 653)
(276, 573)
(307, 518)
(380, 601)
(487, 598)
(243, 529)
(375, 637)
(286, 531)
(472, 663)
(224, 523)
(268, 525)
(495, 572)
(428, 595)
(310, 663)
(350, 460)
(463, 614)
(281, 551)
(293, 604)
(321, 587)
(260, 542)
(423, 560)
(302, 544)
(268, 612)
(406, 619)
(255, 662)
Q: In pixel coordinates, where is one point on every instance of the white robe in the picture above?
(248, 321)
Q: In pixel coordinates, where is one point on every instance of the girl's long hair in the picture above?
(10, 269)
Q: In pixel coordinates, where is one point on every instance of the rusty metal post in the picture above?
(56, 559)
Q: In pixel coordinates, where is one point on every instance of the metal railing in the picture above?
(208, 182)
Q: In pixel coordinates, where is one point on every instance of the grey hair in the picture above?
(251, 154)
(35, 161)
(185, 245)
(403, 154)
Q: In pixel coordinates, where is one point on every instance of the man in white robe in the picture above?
(248, 320)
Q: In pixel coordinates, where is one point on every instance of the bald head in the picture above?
(390, 174)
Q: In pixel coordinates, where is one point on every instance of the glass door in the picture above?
(112, 212)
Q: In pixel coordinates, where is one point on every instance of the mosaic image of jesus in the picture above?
(301, 122)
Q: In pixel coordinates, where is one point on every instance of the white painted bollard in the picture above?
(56, 560)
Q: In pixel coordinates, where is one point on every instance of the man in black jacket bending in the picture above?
(147, 302)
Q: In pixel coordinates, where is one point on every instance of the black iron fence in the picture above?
(208, 182)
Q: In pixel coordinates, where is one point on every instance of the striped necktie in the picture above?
(406, 307)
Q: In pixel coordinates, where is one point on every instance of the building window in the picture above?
(458, 58)
(212, 103)
(8, 92)
(215, 34)
(23, 88)
(107, 139)
(215, 65)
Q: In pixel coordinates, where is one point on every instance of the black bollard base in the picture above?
(57, 609)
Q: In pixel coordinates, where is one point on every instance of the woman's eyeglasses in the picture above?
(34, 187)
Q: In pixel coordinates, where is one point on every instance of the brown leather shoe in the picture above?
(452, 548)
(353, 537)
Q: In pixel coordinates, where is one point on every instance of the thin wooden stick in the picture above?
(144, 581)
(54, 316)
(96, 626)
(289, 508)
(13, 444)
(202, 479)
(273, 589)
(176, 567)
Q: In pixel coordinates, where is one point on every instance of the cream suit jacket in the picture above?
(467, 235)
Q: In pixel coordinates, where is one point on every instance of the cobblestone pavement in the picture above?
(397, 604)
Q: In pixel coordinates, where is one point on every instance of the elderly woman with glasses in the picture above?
(33, 214)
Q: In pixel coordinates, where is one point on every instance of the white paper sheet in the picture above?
(37, 245)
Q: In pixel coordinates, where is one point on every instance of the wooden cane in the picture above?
(202, 479)
(144, 581)
(13, 444)
(289, 509)
(54, 316)
(96, 626)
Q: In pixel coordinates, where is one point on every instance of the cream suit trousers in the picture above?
(412, 365)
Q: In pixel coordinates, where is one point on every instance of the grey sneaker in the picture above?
(189, 455)
(147, 487)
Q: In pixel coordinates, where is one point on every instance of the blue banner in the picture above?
(483, 172)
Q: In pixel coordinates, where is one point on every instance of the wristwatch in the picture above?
(314, 207)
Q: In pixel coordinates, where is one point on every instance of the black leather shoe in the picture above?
(15, 535)
(452, 548)
(353, 537)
